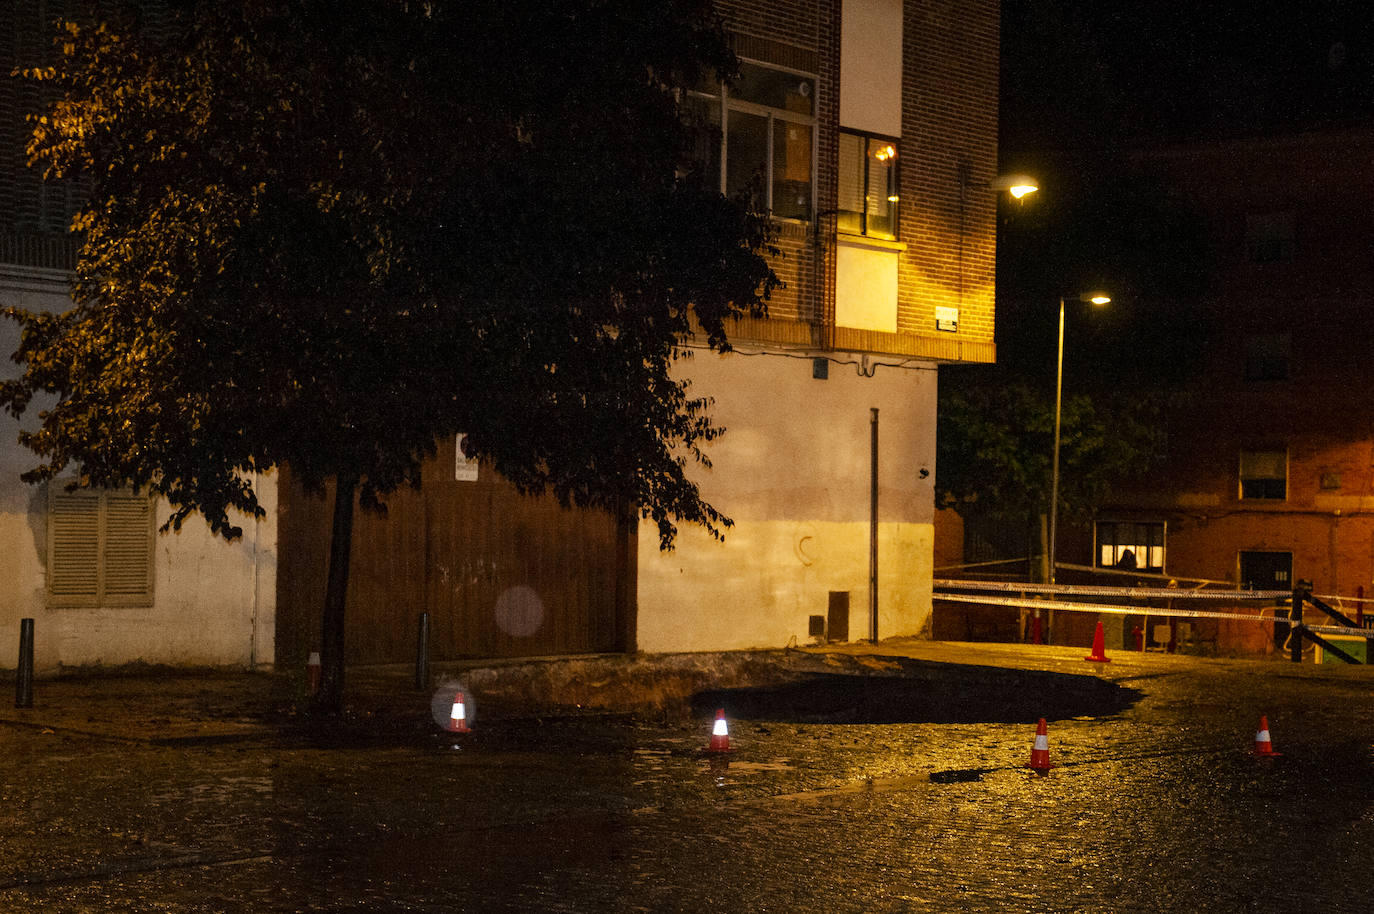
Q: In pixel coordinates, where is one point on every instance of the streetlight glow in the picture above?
(1018, 185)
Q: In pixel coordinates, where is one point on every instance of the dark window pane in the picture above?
(1267, 356)
(746, 152)
(791, 170)
(776, 89)
(851, 196)
(1274, 489)
(703, 114)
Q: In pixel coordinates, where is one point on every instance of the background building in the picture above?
(1270, 472)
(88, 567)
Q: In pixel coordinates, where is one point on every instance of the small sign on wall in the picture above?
(946, 318)
(464, 468)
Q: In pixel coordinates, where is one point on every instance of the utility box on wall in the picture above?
(837, 617)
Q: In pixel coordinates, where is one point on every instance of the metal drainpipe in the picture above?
(873, 531)
(257, 577)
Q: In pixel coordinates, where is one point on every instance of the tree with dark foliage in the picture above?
(329, 240)
(995, 445)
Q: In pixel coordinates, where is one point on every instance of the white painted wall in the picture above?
(871, 66)
(214, 602)
(865, 286)
(792, 470)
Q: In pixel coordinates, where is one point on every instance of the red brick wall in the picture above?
(949, 117)
(1322, 414)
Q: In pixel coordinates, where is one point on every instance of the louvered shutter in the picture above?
(74, 553)
(127, 554)
(100, 548)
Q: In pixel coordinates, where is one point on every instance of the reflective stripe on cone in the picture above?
(1264, 747)
(720, 734)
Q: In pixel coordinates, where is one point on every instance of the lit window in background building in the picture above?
(1130, 544)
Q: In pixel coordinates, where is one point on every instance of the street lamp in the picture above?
(1018, 185)
(1096, 298)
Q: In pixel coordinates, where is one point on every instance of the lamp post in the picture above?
(1096, 298)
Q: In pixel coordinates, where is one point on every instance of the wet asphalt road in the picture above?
(835, 797)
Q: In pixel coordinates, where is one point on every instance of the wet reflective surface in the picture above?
(869, 798)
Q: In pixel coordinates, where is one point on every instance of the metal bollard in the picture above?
(422, 654)
(23, 680)
(1300, 593)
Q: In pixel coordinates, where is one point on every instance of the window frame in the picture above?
(103, 522)
(1142, 550)
(726, 103)
(894, 183)
(1261, 492)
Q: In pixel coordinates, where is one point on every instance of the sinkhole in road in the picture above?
(1011, 696)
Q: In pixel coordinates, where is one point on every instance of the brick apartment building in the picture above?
(1270, 473)
(869, 129)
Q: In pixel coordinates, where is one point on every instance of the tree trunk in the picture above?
(329, 700)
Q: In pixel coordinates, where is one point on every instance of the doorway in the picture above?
(1269, 571)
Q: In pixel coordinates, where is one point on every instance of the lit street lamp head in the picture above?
(1017, 185)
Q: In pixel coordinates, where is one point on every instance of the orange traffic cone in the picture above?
(1263, 746)
(458, 717)
(720, 734)
(1099, 654)
(312, 668)
(1040, 751)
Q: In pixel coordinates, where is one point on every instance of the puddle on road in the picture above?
(957, 776)
(782, 764)
(1010, 697)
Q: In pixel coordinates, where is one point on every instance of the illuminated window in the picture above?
(760, 138)
(1129, 544)
(1264, 475)
(868, 186)
(100, 548)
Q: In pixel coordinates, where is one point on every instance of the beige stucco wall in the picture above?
(214, 602)
(793, 472)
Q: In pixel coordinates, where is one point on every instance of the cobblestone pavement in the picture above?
(846, 795)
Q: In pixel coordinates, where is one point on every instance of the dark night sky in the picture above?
(1085, 83)
(1096, 72)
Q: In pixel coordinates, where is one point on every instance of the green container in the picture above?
(1355, 647)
